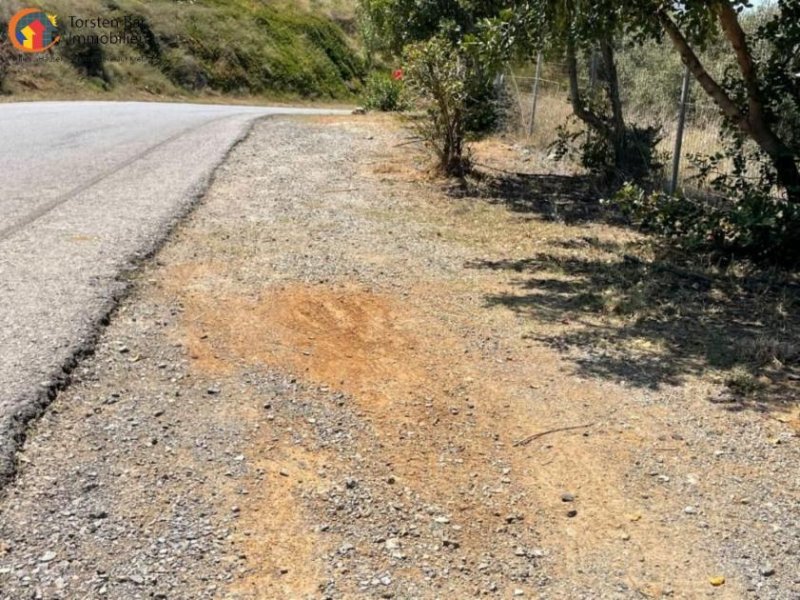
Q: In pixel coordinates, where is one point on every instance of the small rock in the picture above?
(567, 497)
(346, 548)
(690, 510)
(572, 513)
(47, 556)
(767, 571)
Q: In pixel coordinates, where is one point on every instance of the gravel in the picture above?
(153, 477)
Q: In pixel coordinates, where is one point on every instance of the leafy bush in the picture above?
(452, 84)
(754, 225)
(437, 75)
(596, 154)
(383, 92)
(6, 59)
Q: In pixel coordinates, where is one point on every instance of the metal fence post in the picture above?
(517, 93)
(535, 92)
(676, 157)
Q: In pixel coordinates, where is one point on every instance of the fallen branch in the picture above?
(409, 142)
(341, 191)
(536, 436)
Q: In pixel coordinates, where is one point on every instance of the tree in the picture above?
(573, 29)
(761, 101)
(756, 101)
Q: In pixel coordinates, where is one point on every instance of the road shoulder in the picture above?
(309, 394)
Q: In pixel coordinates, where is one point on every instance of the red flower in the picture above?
(397, 74)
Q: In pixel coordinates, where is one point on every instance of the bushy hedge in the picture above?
(754, 226)
(383, 92)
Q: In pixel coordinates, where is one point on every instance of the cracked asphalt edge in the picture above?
(14, 427)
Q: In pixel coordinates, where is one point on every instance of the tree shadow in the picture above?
(567, 198)
(655, 322)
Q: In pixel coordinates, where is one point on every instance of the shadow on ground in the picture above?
(567, 198)
(620, 314)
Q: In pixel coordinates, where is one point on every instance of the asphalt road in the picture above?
(87, 188)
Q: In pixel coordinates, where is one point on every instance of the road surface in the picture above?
(87, 188)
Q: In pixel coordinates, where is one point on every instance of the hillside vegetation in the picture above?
(302, 48)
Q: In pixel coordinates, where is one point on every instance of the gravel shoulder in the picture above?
(309, 394)
(112, 178)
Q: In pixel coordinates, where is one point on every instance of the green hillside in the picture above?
(200, 47)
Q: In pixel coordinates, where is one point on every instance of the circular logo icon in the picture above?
(32, 30)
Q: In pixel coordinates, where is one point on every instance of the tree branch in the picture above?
(690, 59)
(729, 20)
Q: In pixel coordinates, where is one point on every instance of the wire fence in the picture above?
(662, 95)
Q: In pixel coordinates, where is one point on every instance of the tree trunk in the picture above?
(578, 107)
(617, 117)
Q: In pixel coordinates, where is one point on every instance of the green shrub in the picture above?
(754, 225)
(452, 83)
(640, 161)
(437, 77)
(384, 93)
(6, 60)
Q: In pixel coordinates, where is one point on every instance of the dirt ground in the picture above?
(341, 379)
